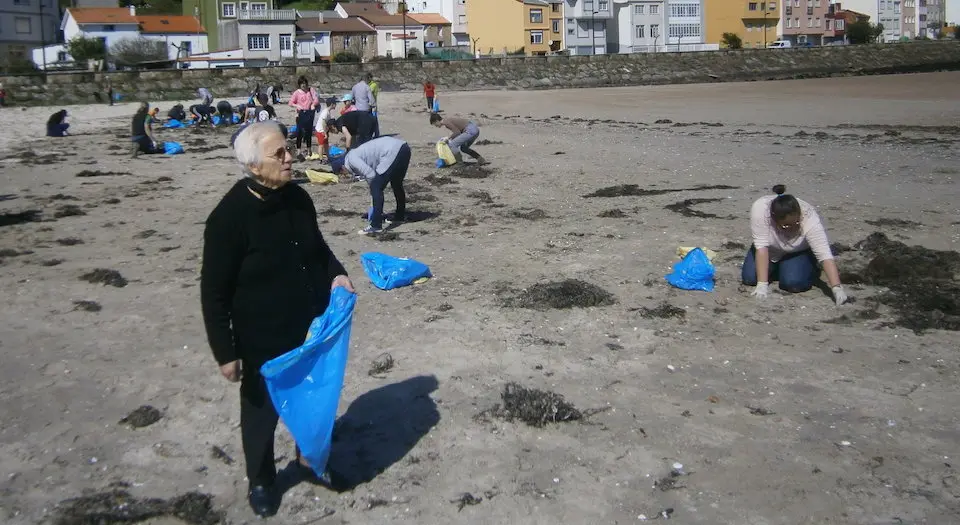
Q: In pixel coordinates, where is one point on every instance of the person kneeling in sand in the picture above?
(141, 132)
(381, 161)
(788, 242)
(57, 124)
(201, 113)
(464, 134)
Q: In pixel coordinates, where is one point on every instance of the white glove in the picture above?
(839, 295)
(761, 291)
(445, 140)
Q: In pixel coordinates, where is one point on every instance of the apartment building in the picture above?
(685, 25)
(802, 22)
(638, 27)
(586, 24)
(455, 11)
(836, 22)
(899, 19)
(501, 27)
(396, 33)
(931, 17)
(26, 24)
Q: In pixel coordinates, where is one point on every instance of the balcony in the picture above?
(268, 15)
(758, 13)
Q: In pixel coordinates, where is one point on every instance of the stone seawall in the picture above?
(502, 73)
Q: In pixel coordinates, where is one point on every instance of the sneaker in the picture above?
(393, 220)
(370, 230)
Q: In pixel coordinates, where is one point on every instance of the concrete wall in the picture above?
(503, 73)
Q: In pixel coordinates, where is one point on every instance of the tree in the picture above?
(84, 49)
(133, 51)
(863, 32)
(414, 54)
(731, 41)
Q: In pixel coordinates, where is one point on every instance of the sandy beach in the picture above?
(791, 411)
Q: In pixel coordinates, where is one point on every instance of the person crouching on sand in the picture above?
(380, 162)
(57, 124)
(141, 131)
(463, 134)
(267, 273)
(788, 242)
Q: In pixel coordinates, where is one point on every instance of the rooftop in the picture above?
(102, 15)
(376, 15)
(169, 24)
(334, 25)
(434, 19)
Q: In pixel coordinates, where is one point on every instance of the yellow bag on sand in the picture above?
(318, 177)
(445, 154)
(684, 250)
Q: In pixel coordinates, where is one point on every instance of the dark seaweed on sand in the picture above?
(22, 217)
(615, 213)
(105, 277)
(634, 190)
(143, 416)
(87, 306)
(569, 293)
(470, 171)
(535, 407)
(68, 210)
(922, 283)
(98, 173)
(119, 507)
(663, 311)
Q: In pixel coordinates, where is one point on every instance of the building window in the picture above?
(773, 6)
(749, 27)
(839, 25)
(556, 26)
(816, 3)
(796, 22)
(654, 30)
(389, 37)
(258, 6)
(536, 37)
(587, 6)
(286, 43)
(555, 8)
(638, 9)
(796, 3)
(827, 24)
(109, 27)
(536, 16)
(690, 10)
(896, 8)
(582, 30)
(462, 19)
(752, 6)
(604, 5)
(346, 42)
(228, 10)
(654, 10)
(23, 25)
(186, 47)
(639, 31)
(363, 40)
(816, 23)
(684, 30)
(258, 42)
(244, 6)
(788, 23)
(61, 56)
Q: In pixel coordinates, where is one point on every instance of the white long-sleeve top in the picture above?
(766, 234)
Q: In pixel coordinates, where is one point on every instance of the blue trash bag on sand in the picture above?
(693, 272)
(172, 148)
(305, 383)
(216, 120)
(235, 118)
(292, 130)
(387, 272)
(174, 123)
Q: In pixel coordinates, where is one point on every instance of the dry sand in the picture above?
(862, 425)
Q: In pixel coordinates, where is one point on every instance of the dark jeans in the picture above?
(393, 176)
(146, 145)
(376, 124)
(258, 424)
(795, 272)
(305, 127)
(57, 130)
(429, 103)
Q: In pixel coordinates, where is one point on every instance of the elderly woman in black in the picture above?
(267, 273)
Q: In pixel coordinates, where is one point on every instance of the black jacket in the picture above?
(266, 274)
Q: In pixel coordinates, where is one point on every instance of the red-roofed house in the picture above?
(183, 35)
(392, 30)
(437, 29)
(327, 34)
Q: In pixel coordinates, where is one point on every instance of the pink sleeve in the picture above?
(759, 224)
(815, 235)
(294, 99)
(313, 95)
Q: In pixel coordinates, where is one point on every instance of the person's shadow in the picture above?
(378, 429)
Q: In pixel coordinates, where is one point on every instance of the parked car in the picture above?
(780, 44)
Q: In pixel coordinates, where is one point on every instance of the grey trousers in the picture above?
(463, 141)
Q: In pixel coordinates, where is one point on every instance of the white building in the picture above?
(638, 26)
(586, 24)
(453, 10)
(685, 25)
(183, 35)
(394, 32)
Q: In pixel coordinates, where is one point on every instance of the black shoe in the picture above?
(330, 479)
(262, 501)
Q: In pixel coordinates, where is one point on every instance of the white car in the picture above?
(779, 44)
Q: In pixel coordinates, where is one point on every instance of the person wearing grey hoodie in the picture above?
(380, 162)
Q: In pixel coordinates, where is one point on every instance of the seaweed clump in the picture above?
(534, 407)
(118, 506)
(569, 293)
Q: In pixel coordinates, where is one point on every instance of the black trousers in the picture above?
(258, 424)
(394, 177)
(305, 127)
(429, 103)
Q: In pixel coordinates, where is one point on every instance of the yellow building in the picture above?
(744, 18)
(499, 27)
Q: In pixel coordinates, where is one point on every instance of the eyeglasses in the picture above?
(281, 154)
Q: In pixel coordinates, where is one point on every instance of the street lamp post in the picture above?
(593, 31)
(403, 15)
(765, 11)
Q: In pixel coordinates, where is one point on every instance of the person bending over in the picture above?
(788, 242)
(380, 162)
(225, 111)
(205, 96)
(201, 113)
(57, 124)
(463, 134)
(357, 127)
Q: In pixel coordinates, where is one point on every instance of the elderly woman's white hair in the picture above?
(247, 147)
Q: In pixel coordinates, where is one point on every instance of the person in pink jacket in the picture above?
(305, 101)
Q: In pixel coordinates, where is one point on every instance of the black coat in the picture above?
(266, 274)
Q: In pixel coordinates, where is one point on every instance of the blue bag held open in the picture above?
(172, 148)
(693, 272)
(305, 383)
(173, 123)
(387, 272)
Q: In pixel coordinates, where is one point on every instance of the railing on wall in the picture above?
(283, 15)
(674, 48)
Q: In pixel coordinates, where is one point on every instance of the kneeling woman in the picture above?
(788, 243)
(141, 131)
(57, 124)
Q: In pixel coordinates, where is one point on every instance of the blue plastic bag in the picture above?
(387, 272)
(235, 118)
(441, 163)
(436, 105)
(172, 148)
(693, 272)
(336, 152)
(305, 383)
(173, 123)
(216, 120)
(292, 130)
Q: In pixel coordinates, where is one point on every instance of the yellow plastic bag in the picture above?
(318, 177)
(684, 250)
(445, 154)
